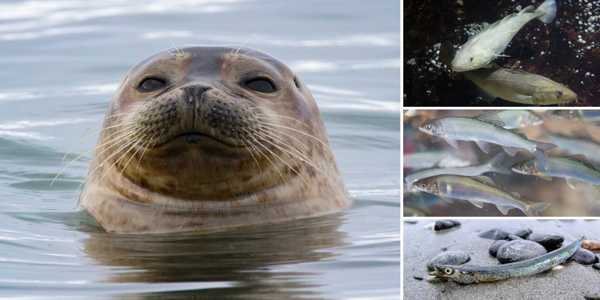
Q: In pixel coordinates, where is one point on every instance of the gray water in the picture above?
(60, 63)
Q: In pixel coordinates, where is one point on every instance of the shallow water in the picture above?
(60, 63)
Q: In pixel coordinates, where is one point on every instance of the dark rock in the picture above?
(596, 266)
(585, 257)
(519, 250)
(411, 221)
(445, 224)
(418, 278)
(550, 241)
(512, 237)
(448, 258)
(523, 233)
(494, 234)
(495, 245)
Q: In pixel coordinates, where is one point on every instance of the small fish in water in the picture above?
(428, 159)
(513, 119)
(490, 43)
(469, 274)
(562, 167)
(521, 87)
(420, 204)
(482, 132)
(493, 165)
(575, 146)
(477, 192)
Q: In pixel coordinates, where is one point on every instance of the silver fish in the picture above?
(574, 146)
(481, 132)
(493, 165)
(489, 44)
(562, 167)
(513, 119)
(521, 87)
(468, 274)
(477, 192)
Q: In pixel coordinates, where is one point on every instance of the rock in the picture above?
(512, 237)
(495, 245)
(550, 241)
(523, 233)
(418, 278)
(448, 258)
(585, 257)
(596, 266)
(591, 245)
(445, 224)
(494, 234)
(519, 250)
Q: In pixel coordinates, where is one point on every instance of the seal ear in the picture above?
(296, 83)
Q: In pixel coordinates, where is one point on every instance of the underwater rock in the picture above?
(591, 245)
(494, 234)
(550, 241)
(523, 233)
(519, 250)
(448, 258)
(445, 224)
(494, 247)
(585, 257)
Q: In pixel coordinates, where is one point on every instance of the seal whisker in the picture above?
(297, 131)
(281, 135)
(289, 167)
(265, 155)
(282, 146)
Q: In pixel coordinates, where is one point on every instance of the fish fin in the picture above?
(547, 11)
(453, 143)
(476, 203)
(495, 164)
(485, 147)
(504, 209)
(527, 9)
(511, 151)
(571, 183)
(491, 118)
(485, 180)
(524, 99)
(536, 209)
(544, 146)
(515, 194)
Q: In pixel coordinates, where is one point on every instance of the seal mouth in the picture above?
(196, 138)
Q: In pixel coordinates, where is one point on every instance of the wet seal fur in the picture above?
(210, 138)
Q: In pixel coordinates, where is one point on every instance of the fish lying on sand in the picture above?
(468, 274)
(562, 167)
(477, 192)
(491, 42)
(576, 146)
(493, 165)
(482, 132)
(513, 119)
(436, 158)
(521, 87)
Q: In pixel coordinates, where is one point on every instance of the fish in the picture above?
(477, 192)
(428, 159)
(575, 146)
(490, 43)
(419, 204)
(470, 274)
(562, 167)
(493, 165)
(521, 87)
(513, 119)
(483, 132)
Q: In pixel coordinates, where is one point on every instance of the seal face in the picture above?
(206, 138)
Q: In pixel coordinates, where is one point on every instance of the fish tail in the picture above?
(547, 11)
(496, 164)
(536, 209)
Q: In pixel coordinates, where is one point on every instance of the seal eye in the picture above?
(260, 84)
(151, 84)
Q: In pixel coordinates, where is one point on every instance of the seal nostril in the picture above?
(195, 92)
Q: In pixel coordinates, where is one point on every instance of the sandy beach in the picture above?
(573, 281)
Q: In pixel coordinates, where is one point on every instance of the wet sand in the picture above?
(573, 281)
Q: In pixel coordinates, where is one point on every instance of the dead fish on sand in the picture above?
(521, 87)
(490, 43)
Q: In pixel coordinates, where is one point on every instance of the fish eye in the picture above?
(151, 84)
(260, 84)
(448, 271)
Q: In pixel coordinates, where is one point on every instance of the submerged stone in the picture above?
(494, 234)
(550, 241)
(519, 250)
(493, 251)
(523, 233)
(445, 224)
(585, 257)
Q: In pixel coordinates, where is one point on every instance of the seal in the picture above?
(211, 138)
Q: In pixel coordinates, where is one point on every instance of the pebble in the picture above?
(585, 257)
(596, 266)
(519, 250)
(550, 241)
(512, 237)
(523, 233)
(448, 258)
(495, 245)
(591, 245)
(494, 234)
(445, 224)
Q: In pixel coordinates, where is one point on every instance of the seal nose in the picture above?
(195, 92)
